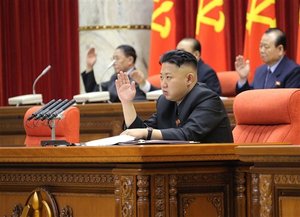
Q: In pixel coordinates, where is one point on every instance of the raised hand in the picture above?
(91, 59)
(138, 76)
(242, 66)
(126, 90)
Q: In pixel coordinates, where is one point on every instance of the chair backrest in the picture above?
(154, 80)
(228, 80)
(66, 128)
(267, 115)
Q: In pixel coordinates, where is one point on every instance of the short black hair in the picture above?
(281, 37)
(128, 50)
(179, 58)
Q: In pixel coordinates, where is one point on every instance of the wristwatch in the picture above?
(149, 135)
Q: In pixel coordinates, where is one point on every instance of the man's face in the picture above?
(269, 53)
(122, 63)
(175, 81)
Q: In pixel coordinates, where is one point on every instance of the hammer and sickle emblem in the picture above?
(255, 10)
(164, 29)
(218, 24)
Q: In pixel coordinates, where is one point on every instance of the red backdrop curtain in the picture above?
(35, 34)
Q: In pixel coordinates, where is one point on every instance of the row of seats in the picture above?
(261, 116)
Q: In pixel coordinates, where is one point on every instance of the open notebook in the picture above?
(130, 140)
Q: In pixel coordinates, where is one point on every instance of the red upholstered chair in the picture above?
(267, 115)
(228, 80)
(66, 128)
(154, 80)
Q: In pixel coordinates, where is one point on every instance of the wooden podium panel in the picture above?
(275, 179)
(97, 121)
(201, 180)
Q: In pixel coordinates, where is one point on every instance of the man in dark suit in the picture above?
(124, 60)
(187, 110)
(205, 73)
(278, 71)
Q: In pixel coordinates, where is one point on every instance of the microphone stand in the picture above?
(103, 73)
(38, 78)
(53, 141)
(58, 114)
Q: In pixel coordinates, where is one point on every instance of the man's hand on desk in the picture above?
(138, 133)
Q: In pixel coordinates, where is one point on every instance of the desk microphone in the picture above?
(41, 109)
(48, 113)
(40, 115)
(61, 109)
(43, 73)
(103, 73)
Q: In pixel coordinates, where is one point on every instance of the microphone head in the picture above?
(110, 65)
(46, 69)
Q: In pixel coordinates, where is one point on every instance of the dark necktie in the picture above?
(268, 75)
(177, 121)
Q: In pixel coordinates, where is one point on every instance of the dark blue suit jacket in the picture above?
(208, 76)
(286, 75)
(91, 85)
(205, 75)
(201, 113)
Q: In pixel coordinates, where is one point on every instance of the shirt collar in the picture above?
(129, 71)
(273, 68)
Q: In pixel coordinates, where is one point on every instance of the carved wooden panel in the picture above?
(265, 189)
(128, 196)
(240, 194)
(202, 205)
(160, 188)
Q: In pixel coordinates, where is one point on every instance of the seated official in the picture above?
(124, 60)
(278, 71)
(187, 110)
(205, 73)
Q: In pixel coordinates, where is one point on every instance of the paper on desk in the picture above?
(110, 140)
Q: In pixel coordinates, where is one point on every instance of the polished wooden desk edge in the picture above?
(278, 152)
(133, 153)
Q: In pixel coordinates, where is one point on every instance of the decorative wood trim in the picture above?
(287, 179)
(255, 195)
(66, 212)
(143, 196)
(118, 195)
(240, 198)
(159, 195)
(127, 196)
(173, 195)
(217, 201)
(60, 178)
(17, 210)
(199, 179)
(187, 201)
(265, 187)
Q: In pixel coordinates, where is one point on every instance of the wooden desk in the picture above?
(96, 120)
(275, 179)
(152, 180)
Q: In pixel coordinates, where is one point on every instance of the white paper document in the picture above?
(110, 140)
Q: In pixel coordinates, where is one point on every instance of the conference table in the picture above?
(97, 120)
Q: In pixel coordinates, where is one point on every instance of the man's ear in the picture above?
(197, 54)
(131, 59)
(281, 49)
(190, 77)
